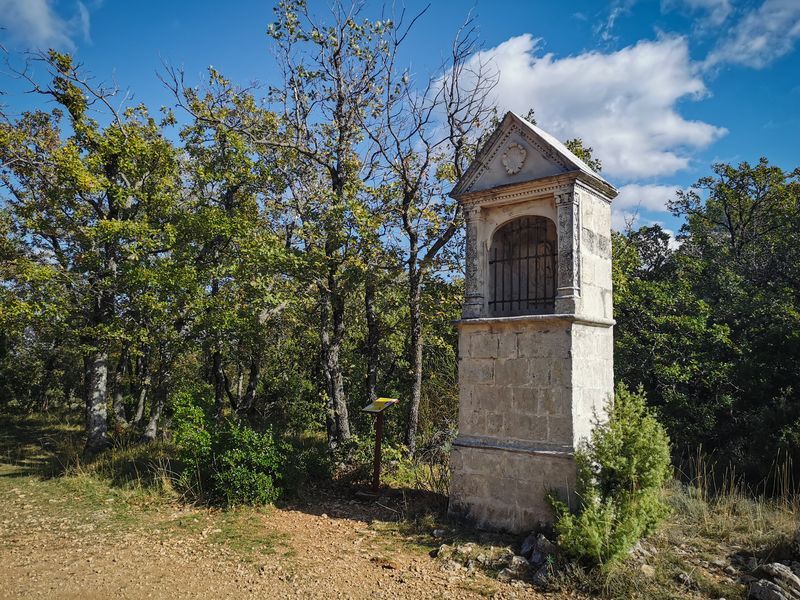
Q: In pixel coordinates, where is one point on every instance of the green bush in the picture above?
(247, 465)
(226, 461)
(309, 460)
(621, 473)
(359, 453)
(190, 429)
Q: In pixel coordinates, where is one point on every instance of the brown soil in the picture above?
(79, 536)
(311, 557)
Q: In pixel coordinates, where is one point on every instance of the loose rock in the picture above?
(505, 575)
(782, 576)
(541, 576)
(537, 548)
(766, 590)
(519, 566)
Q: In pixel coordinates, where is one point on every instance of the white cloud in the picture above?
(716, 11)
(36, 24)
(605, 29)
(635, 198)
(652, 197)
(672, 244)
(760, 37)
(622, 103)
(623, 219)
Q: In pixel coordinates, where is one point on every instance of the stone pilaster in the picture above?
(569, 243)
(473, 280)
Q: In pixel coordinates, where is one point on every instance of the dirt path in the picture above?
(73, 537)
(310, 557)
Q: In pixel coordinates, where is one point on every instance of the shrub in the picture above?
(247, 465)
(189, 429)
(226, 461)
(621, 472)
(309, 460)
(358, 455)
(429, 468)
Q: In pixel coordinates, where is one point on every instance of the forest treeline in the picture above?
(277, 256)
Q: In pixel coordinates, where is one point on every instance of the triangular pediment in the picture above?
(517, 152)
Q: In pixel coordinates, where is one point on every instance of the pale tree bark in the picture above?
(249, 397)
(331, 336)
(96, 412)
(118, 403)
(143, 378)
(101, 313)
(218, 376)
(156, 408)
(415, 335)
(246, 402)
(373, 335)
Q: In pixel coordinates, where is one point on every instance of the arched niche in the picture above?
(523, 267)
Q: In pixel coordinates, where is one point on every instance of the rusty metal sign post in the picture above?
(377, 408)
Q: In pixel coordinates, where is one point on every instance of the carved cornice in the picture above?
(499, 141)
(579, 319)
(519, 446)
(567, 197)
(518, 192)
(541, 142)
(589, 186)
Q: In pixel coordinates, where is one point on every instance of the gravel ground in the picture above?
(60, 541)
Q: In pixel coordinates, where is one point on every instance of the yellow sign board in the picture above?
(380, 405)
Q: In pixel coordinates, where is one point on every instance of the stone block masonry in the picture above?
(513, 376)
(530, 389)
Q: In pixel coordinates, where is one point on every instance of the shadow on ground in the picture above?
(51, 445)
(36, 445)
(48, 446)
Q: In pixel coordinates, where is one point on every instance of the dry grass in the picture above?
(707, 548)
(712, 541)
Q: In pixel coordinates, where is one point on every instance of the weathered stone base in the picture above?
(505, 489)
(530, 391)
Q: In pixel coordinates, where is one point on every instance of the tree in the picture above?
(741, 233)
(425, 140)
(330, 72)
(585, 153)
(232, 242)
(666, 338)
(92, 204)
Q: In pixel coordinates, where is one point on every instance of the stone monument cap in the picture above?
(517, 152)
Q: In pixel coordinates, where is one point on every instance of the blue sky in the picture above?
(659, 88)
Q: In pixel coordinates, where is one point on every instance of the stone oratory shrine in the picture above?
(535, 346)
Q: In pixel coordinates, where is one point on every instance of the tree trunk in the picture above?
(239, 382)
(96, 417)
(372, 337)
(249, 397)
(332, 315)
(415, 326)
(118, 403)
(143, 376)
(339, 398)
(156, 408)
(218, 376)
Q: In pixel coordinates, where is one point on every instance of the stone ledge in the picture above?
(592, 321)
(485, 443)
